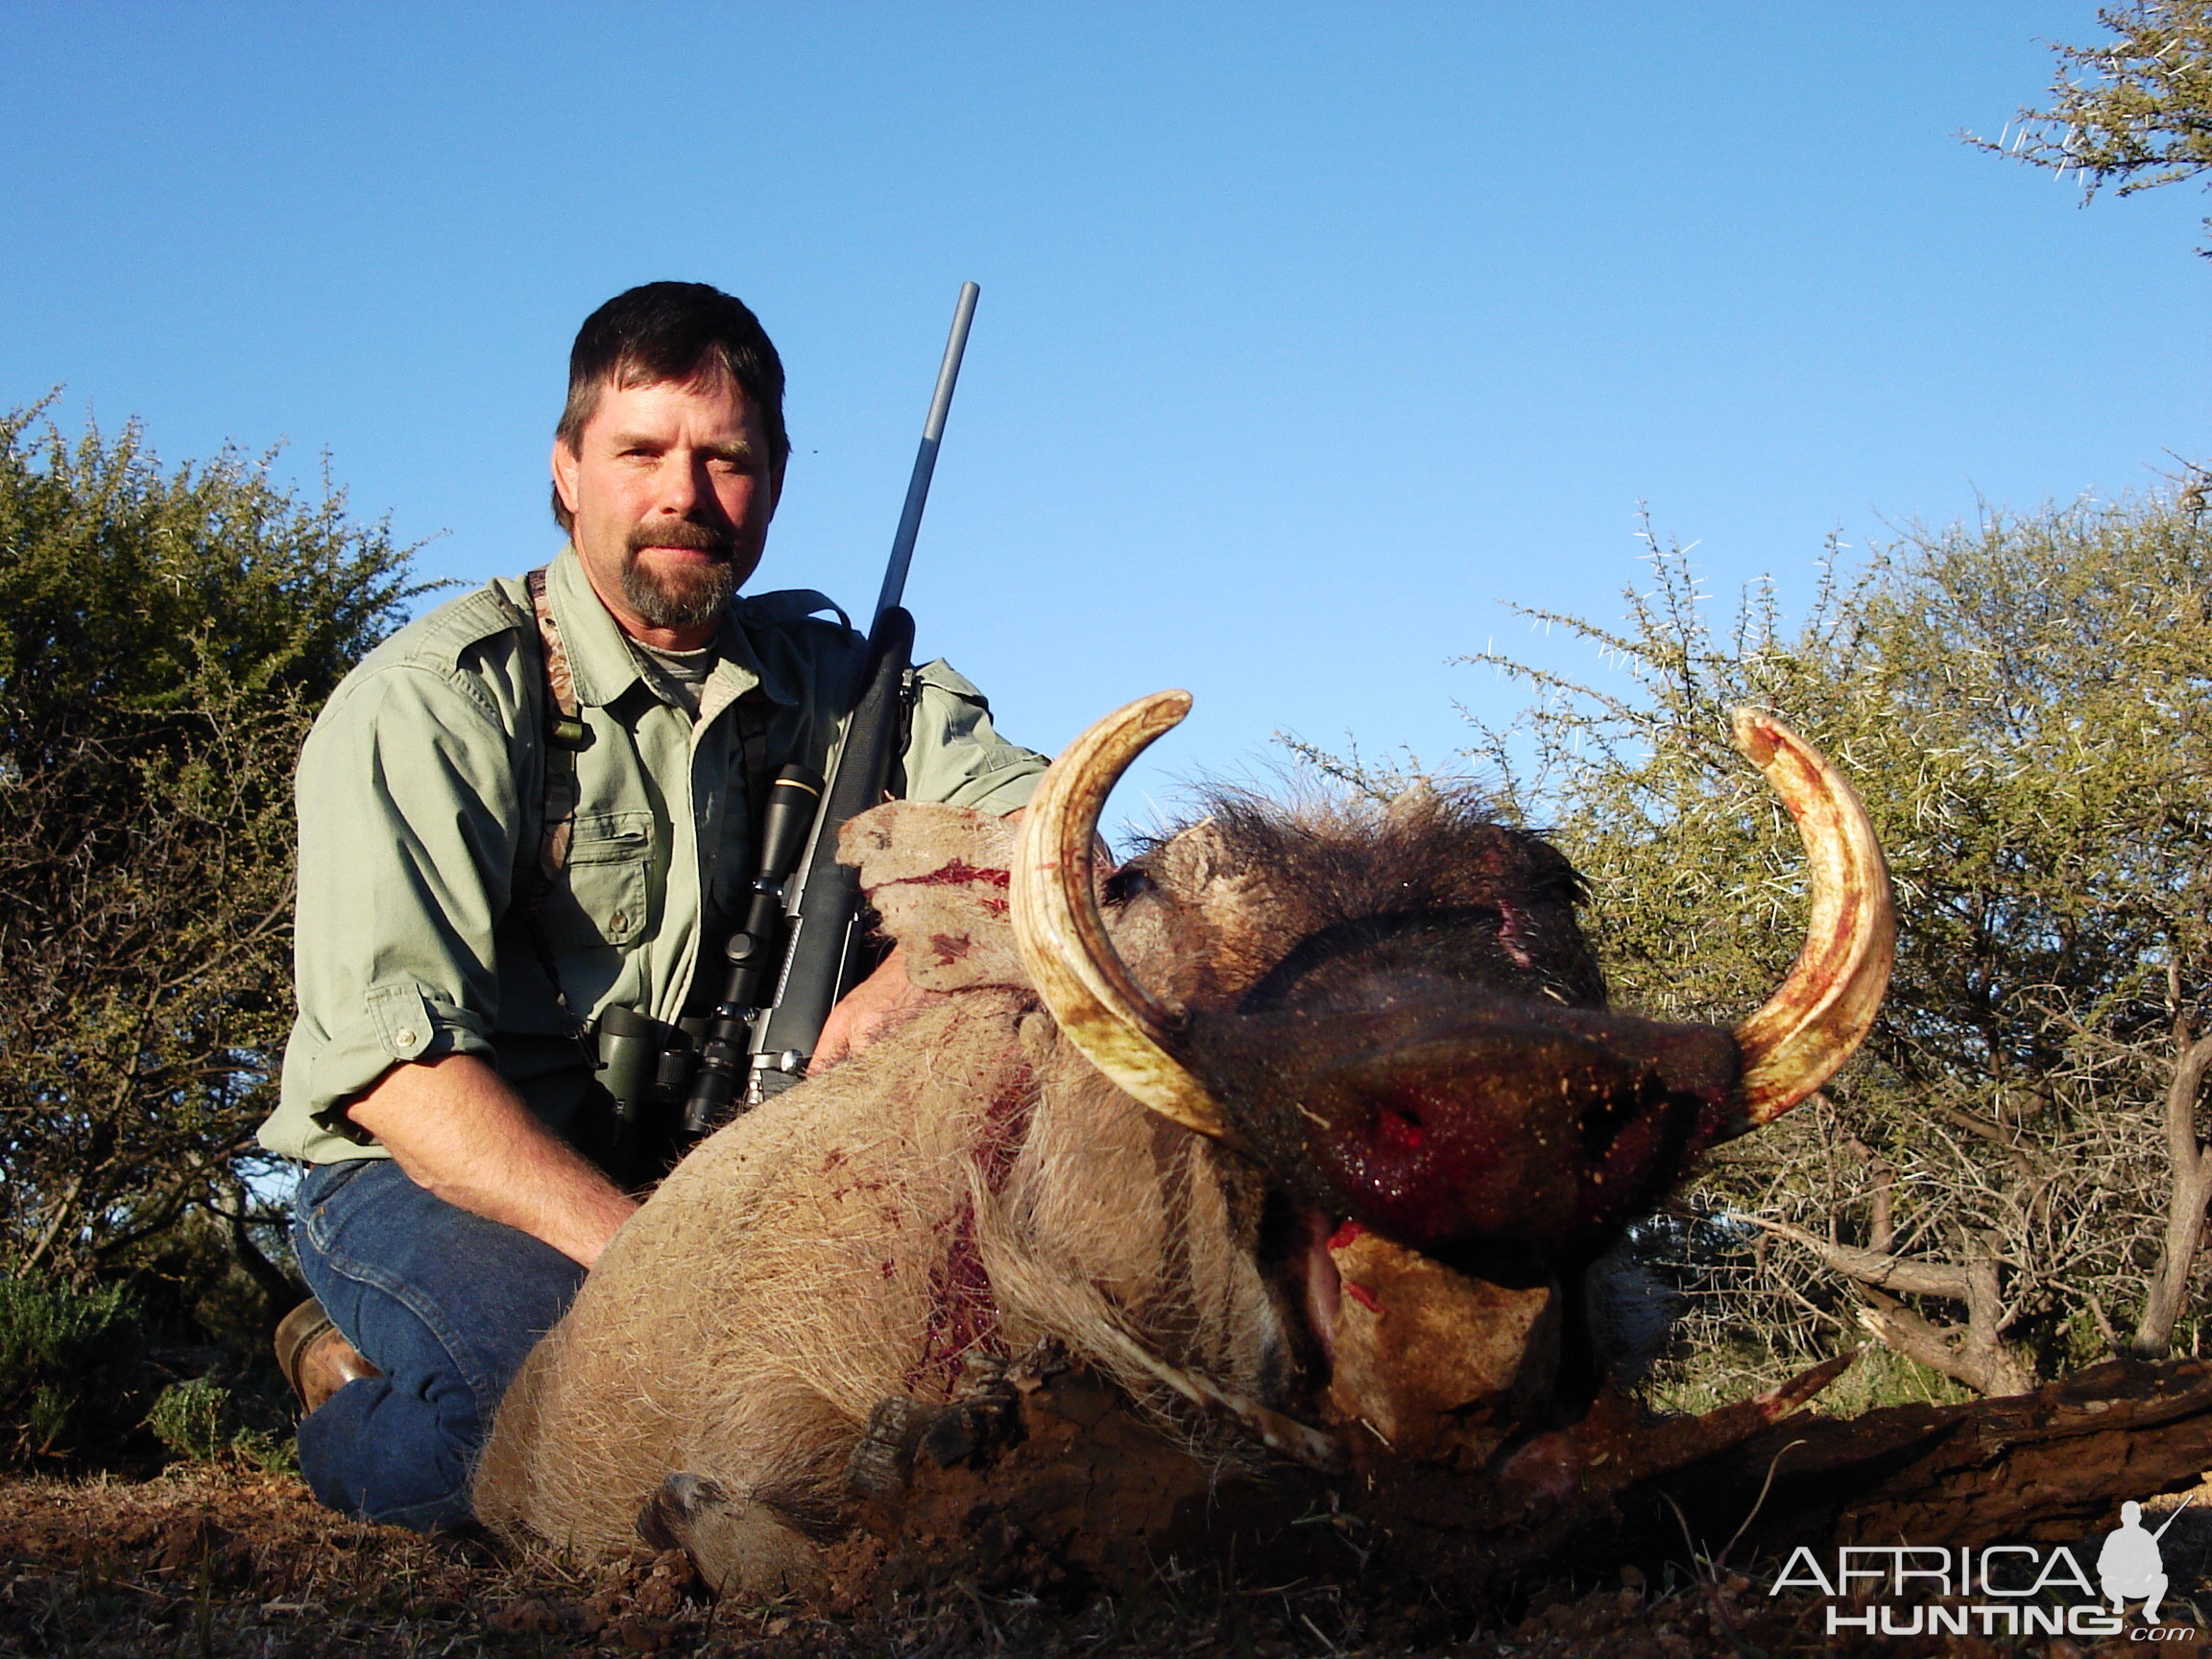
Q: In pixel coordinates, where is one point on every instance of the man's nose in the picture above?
(687, 489)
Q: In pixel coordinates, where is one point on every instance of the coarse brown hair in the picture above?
(671, 331)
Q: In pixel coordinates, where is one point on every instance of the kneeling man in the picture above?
(532, 806)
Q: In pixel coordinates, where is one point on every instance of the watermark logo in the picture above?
(2131, 1565)
(1998, 1590)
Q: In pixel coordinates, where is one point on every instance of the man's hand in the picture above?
(460, 1132)
(883, 1002)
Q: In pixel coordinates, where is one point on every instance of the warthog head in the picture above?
(1395, 1017)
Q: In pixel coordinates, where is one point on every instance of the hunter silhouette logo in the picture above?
(2130, 1568)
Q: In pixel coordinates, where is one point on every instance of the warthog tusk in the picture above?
(1820, 1013)
(1063, 938)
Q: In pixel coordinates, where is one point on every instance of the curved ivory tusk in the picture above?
(1062, 937)
(1817, 1017)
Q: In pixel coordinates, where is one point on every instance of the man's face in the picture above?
(671, 490)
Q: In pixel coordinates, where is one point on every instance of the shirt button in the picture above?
(404, 1036)
(618, 921)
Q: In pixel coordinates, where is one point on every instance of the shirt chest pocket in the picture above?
(610, 891)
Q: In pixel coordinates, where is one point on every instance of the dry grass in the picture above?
(210, 1563)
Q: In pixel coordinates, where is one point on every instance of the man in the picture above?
(453, 957)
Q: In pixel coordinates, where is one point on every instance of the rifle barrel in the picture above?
(894, 590)
(2176, 1516)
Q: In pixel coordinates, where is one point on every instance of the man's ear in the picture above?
(565, 465)
(775, 484)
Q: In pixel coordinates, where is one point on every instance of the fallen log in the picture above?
(2031, 1467)
(1049, 1481)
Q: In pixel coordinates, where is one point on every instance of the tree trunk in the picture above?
(1975, 1352)
(2185, 1203)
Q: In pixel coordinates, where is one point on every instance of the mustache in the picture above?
(721, 541)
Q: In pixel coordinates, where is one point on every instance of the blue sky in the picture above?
(1310, 334)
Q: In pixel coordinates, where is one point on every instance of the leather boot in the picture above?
(315, 1356)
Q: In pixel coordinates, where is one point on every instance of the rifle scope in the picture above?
(754, 951)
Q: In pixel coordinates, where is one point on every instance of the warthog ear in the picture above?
(937, 876)
(1229, 899)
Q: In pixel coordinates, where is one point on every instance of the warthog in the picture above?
(1299, 1120)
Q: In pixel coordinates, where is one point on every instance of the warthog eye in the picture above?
(1127, 883)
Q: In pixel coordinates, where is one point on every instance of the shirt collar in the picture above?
(604, 667)
(740, 658)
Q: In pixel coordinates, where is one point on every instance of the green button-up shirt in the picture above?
(420, 796)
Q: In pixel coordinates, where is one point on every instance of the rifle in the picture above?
(759, 1045)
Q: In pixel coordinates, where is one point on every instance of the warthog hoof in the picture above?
(900, 1430)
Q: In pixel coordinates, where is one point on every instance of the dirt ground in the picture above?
(202, 1564)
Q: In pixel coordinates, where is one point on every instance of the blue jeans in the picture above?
(446, 1305)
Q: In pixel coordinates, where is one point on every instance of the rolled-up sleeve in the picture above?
(956, 757)
(409, 827)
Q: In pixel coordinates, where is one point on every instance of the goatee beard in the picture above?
(688, 596)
